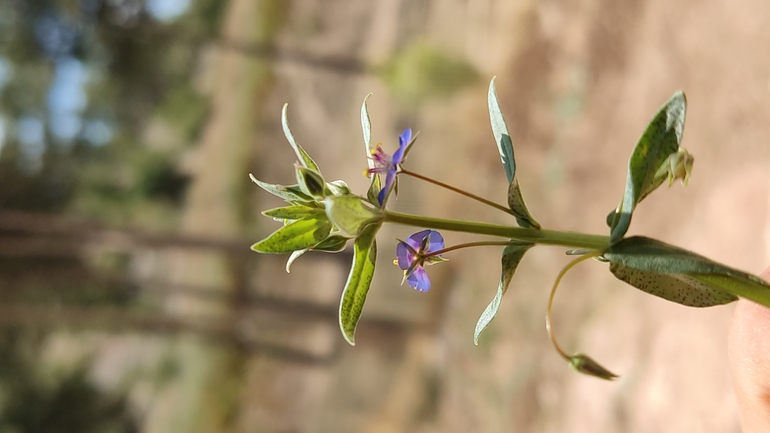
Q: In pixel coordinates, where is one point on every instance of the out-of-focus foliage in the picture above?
(33, 402)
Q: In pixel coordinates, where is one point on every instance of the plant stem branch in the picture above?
(459, 191)
(529, 235)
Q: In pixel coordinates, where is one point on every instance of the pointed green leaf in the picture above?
(332, 244)
(338, 187)
(358, 283)
(584, 364)
(298, 235)
(291, 193)
(350, 214)
(293, 213)
(516, 204)
(366, 126)
(311, 182)
(294, 256)
(655, 257)
(659, 140)
(500, 130)
(505, 147)
(302, 156)
(512, 255)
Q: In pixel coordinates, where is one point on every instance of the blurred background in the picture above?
(129, 299)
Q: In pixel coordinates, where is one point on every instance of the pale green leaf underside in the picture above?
(358, 283)
(505, 147)
(653, 256)
(349, 213)
(677, 288)
(500, 131)
(298, 235)
(512, 255)
(366, 127)
(295, 212)
(290, 193)
(302, 156)
(660, 139)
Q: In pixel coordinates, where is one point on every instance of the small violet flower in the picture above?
(416, 252)
(389, 165)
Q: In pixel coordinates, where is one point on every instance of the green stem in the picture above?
(537, 236)
(459, 191)
(469, 245)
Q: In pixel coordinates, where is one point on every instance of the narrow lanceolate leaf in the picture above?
(290, 193)
(350, 214)
(366, 126)
(302, 156)
(332, 244)
(338, 187)
(659, 140)
(298, 235)
(358, 283)
(699, 280)
(294, 256)
(293, 213)
(505, 147)
(512, 255)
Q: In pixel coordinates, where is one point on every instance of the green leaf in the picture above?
(293, 213)
(584, 364)
(294, 256)
(302, 156)
(505, 147)
(713, 282)
(332, 244)
(298, 235)
(291, 193)
(366, 126)
(516, 204)
(350, 214)
(311, 182)
(512, 255)
(358, 283)
(500, 130)
(660, 139)
(338, 187)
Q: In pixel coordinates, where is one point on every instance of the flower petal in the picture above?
(390, 179)
(435, 242)
(404, 255)
(415, 240)
(403, 141)
(419, 280)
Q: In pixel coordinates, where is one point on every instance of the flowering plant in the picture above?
(324, 216)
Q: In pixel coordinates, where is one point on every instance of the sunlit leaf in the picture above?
(338, 187)
(298, 235)
(358, 283)
(290, 193)
(295, 212)
(294, 256)
(505, 147)
(332, 244)
(302, 156)
(311, 182)
(660, 139)
(366, 126)
(512, 255)
(350, 214)
(655, 257)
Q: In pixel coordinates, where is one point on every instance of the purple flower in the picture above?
(389, 165)
(416, 252)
